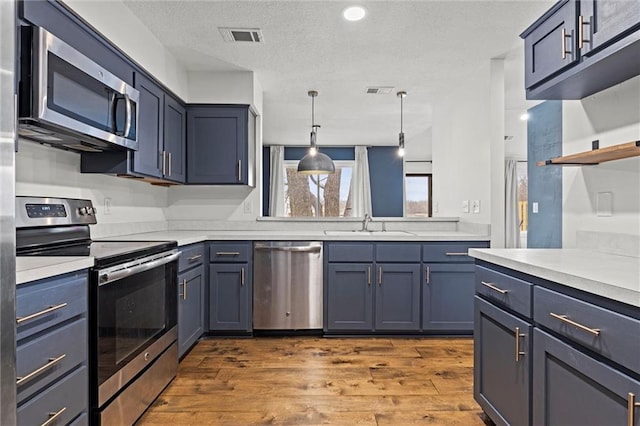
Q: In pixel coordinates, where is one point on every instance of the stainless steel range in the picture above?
(132, 304)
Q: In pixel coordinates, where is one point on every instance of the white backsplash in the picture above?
(609, 242)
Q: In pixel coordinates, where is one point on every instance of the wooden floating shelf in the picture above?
(596, 156)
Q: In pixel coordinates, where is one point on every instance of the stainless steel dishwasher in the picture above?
(287, 285)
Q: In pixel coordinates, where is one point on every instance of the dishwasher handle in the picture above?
(307, 249)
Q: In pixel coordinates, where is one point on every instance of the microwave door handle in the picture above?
(127, 126)
(114, 113)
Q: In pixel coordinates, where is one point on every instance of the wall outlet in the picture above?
(465, 206)
(534, 207)
(476, 206)
(248, 207)
(107, 205)
(604, 204)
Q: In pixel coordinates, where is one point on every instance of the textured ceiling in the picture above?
(423, 47)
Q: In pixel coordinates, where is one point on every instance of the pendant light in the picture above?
(315, 163)
(401, 95)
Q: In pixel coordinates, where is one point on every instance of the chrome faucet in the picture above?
(365, 222)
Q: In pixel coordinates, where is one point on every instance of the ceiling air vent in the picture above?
(379, 90)
(250, 35)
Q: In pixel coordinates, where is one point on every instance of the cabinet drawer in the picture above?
(69, 394)
(504, 290)
(349, 252)
(45, 303)
(450, 251)
(230, 252)
(390, 252)
(608, 333)
(191, 256)
(53, 353)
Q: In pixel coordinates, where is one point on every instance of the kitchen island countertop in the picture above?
(612, 276)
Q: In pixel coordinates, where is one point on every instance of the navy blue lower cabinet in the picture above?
(502, 364)
(571, 388)
(190, 308)
(397, 297)
(447, 297)
(230, 296)
(350, 296)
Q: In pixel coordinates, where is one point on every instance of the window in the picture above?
(317, 195)
(418, 195)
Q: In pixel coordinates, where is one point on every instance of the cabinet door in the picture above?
(501, 378)
(397, 297)
(190, 308)
(229, 295)
(606, 20)
(217, 141)
(148, 159)
(447, 297)
(552, 45)
(571, 388)
(175, 143)
(350, 296)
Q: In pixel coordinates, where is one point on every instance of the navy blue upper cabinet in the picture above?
(220, 141)
(580, 47)
(148, 158)
(175, 139)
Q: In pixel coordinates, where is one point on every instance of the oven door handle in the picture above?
(107, 276)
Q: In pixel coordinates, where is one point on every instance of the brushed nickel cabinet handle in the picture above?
(564, 318)
(369, 275)
(581, 39)
(380, 276)
(493, 287)
(50, 363)
(428, 275)
(227, 253)
(50, 309)
(456, 254)
(163, 169)
(564, 43)
(184, 289)
(519, 353)
(239, 170)
(54, 416)
(631, 408)
(242, 277)
(169, 162)
(194, 258)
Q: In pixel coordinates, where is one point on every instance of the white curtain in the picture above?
(360, 184)
(276, 186)
(512, 223)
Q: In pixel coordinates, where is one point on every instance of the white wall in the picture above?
(117, 23)
(461, 149)
(136, 206)
(613, 117)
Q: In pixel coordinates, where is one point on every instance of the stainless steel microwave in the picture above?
(68, 101)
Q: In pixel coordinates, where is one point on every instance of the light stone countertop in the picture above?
(190, 237)
(612, 276)
(32, 268)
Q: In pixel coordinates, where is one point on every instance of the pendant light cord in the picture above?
(401, 111)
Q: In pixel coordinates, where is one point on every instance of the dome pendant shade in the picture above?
(318, 164)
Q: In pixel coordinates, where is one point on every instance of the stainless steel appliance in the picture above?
(287, 288)
(133, 352)
(68, 101)
(7, 217)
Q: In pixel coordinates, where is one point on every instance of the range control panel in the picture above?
(43, 211)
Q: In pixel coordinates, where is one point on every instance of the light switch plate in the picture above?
(107, 205)
(476, 206)
(534, 207)
(604, 204)
(465, 206)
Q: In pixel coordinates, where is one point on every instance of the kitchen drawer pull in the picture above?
(519, 353)
(631, 408)
(493, 287)
(563, 318)
(54, 416)
(194, 258)
(227, 253)
(242, 277)
(50, 309)
(34, 373)
(456, 253)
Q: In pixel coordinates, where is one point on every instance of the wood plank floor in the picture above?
(309, 381)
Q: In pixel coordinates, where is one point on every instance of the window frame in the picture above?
(429, 177)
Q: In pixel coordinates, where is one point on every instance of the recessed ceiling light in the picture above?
(524, 117)
(354, 13)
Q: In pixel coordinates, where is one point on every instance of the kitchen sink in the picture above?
(370, 233)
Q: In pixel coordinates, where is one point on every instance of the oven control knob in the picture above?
(91, 210)
(104, 277)
(146, 356)
(83, 211)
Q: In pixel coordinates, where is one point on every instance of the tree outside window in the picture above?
(418, 195)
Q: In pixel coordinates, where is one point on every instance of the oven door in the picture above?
(136, 317)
